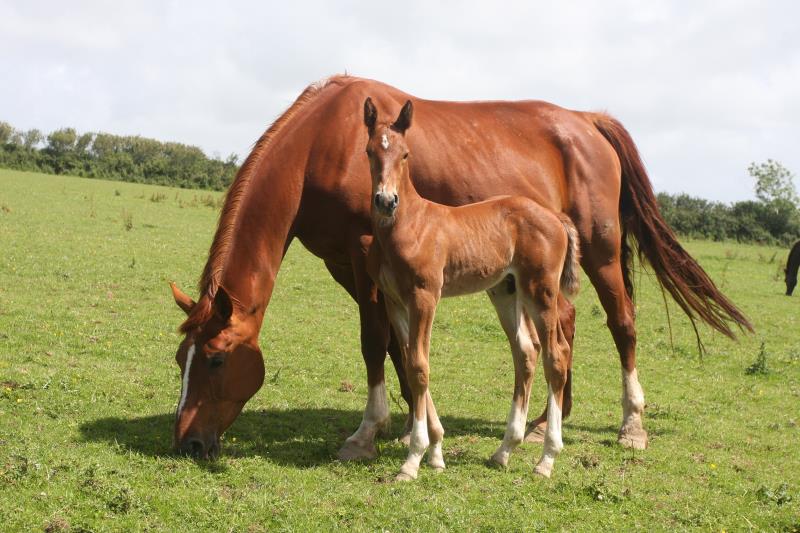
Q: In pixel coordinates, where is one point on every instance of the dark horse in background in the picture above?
(790, 272)
(307, 178)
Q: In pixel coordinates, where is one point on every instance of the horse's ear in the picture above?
(370, 115)
(222, 305)
(183, 301)
(403, 121)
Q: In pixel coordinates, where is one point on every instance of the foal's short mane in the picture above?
(218, 255)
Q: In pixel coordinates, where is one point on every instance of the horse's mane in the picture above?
(211, 279)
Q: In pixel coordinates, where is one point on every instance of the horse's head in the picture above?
(221, 368)
(790, 277)
(388, 156)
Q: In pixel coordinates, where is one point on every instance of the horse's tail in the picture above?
(571, 272)
(676, 270)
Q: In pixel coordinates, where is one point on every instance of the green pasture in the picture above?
(88, 387)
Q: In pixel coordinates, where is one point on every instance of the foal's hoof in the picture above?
(543, 469)
(404, 476)
(405, 438)
(499, 459)
(437, 465)
(633, 438)
(355, 451)
(536, 434)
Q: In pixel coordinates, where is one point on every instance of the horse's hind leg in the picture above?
(517, 327)
(540, 303)
(608, 281)
(566, 318)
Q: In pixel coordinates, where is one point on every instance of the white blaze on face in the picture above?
(185, 381)
(385, 141)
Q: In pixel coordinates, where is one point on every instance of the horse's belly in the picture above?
(459, 284)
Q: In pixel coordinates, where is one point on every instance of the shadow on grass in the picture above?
(295, 437)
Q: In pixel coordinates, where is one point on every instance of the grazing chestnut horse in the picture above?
(306, 178)
(424, 251)
(790, 272)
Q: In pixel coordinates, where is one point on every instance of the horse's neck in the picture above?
(259, 239)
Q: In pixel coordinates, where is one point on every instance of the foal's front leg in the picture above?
(422, 308)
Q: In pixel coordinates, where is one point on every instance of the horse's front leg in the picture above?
(374, 338)
(421, 310)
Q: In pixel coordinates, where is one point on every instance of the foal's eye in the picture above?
(405, 156)
(216, 361)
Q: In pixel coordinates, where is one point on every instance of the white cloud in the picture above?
(704, 87)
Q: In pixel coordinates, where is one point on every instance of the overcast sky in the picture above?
(704, 87)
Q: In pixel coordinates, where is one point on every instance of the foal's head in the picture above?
(221, 368)
(388, 156)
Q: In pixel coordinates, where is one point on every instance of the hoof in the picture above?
(499, 459)
(636, 439)
(438, 469)
(536, 433)
(402, 476)
(437, 464)
(543, 469)
(354, 451)
(405, 439)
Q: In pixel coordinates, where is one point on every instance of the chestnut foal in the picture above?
(424, 251)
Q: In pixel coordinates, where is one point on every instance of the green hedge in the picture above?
(114, 157)
(772, 222)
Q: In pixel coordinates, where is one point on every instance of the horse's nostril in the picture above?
(213, 451)
(378, 200)
(395, 200)
(195, 448)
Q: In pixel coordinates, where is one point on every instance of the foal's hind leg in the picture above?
(517, 327)
(566, 318)
(540, 303)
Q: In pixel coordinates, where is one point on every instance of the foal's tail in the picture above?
(571, 273)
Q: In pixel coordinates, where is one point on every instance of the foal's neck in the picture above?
(408, 212)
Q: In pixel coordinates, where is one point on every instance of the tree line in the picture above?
(114, 157)
(773, 218)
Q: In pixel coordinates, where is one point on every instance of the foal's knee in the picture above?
(417, 373)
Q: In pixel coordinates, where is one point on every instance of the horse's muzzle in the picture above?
(200, 448)
(386, 203)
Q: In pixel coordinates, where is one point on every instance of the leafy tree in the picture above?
(6, 131)
(32, 138)
(62, 141)
(773, 182)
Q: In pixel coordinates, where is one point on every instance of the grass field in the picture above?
(89, 387)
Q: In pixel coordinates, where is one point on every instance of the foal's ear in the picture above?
(222, 305)
(183, 301)
(370, 115)
(403, 121)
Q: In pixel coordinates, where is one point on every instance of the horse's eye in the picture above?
(405, 156)
(216, 361)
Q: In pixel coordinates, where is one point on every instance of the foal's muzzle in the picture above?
(386, 203)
